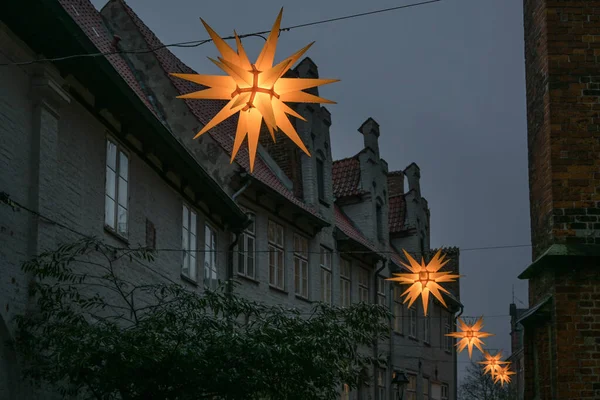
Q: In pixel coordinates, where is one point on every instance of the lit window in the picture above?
(398, 310)
(412, 313)
(411, 388)
(381, 383)
(210, 257)
(345, 392)
(425, 389)
(363, 285)
(381, 291)
(276, 268)
(188, 243)
(345, 279)
(301, 266)
(246, 249)
(117, 186)
(325, 275)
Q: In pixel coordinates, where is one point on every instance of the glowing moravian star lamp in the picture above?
(256, 90)
(470, 336)
(503, 375)
(424, 279)
(492, 363)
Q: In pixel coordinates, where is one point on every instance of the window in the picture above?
(363, 285)
(427, 326)
(150, 235)
(325, 275)
(381, 291)
(188, 243)
(447, 330)
(345, 280)
(345, 392)
(411, 388)
(276, 269)
(412, 312)
(301, 266)
(379, 222)
(445, 392)
(398, 310)
(320, 179)
(246, 248)
(425, 388)
(210, 257)
(117, 186)
(381, 384)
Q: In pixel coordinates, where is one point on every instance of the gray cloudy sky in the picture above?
(446, 83)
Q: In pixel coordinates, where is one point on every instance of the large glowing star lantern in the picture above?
(492, 363)
(503, 375)
(470, 336)
(256, 90)
(424, 279)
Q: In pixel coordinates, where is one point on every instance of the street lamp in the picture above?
(400, 380)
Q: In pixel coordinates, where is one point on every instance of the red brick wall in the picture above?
(538, 354)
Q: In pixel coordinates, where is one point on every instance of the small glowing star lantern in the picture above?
(256, 90)
(492, 363)
(424, 279)
(503, 375)
(470, 336)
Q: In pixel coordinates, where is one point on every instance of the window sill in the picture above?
(189, 280)
(448, 352)
(323, 202)
(280, 290)
(413, 338)
(305, 299)
(398, 333)
(247, 278)
(427, 344)
(116, 235)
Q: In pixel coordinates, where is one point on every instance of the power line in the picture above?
(196, 43)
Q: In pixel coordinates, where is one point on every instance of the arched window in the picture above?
(321, 175)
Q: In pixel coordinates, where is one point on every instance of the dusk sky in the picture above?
(446, 83)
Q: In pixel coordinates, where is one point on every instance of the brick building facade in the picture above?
(341, 224)
(562, 349)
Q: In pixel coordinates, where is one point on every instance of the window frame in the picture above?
(447, 387)
(276, 271)
(381, 383)
(119, 149)
(212, 252)
(447, 330)
(244, 255)
(381, 295)
(398, 323)
(363, 287)
(345, 282)
(426, 387)
(326, 271)
(192, 215)
(413, 323)
(301, 256)
(411, 387)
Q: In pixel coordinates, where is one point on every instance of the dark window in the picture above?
(150, 235)
(379, 222)
(320, 179)
(422, 245)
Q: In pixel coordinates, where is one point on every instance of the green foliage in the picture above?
(100, 336)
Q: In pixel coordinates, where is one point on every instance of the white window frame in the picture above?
(447, 330)
(189, 243)
(381, 381)
(381, 298)
(398, 325)
(113, 191)
(276, 255)
(411, 387)
(246, 249)
(301, 266)
(326, 260)
(345, 282)
(363, 285)
(211, 277)
(412, 324)
(446, 389)
(425, 388)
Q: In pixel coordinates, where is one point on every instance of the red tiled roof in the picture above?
(346, 177)
(205, 110)
(349, 229)
(90, 21)
(397, 213)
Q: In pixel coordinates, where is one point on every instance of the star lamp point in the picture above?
(256, 91)
(470, 335)
(492, 363)
(503, 375)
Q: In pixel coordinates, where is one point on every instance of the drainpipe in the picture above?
(391, 340)
(237, 234)
(462, 308)
(375, 342)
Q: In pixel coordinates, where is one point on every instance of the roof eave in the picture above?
(561, 255)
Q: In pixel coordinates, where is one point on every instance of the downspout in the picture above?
(236, 238)
(391, 340)
(462, 308)
(375, 342)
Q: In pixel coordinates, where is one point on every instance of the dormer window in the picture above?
(378, 213)
(320, 179)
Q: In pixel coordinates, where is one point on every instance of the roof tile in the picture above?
(397, 213)
(346, 177)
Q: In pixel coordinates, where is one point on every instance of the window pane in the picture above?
(193, 220)
(122, 227)
(109, 212)
(186, 217)
(193, 242)
(241, 256)
(271, 232)
(110, 183)
(250, 266)
(111, 155)
(124, 166)
(192, 267)
(280, 269)
(279, 235)
(123, 192)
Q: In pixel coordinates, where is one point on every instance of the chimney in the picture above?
(370, 131)
(413, 175)
(395, 183)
